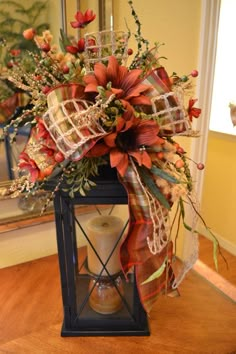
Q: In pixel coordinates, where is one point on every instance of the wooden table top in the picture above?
(201, 320)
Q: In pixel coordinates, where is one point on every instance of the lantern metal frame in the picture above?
(79, 318)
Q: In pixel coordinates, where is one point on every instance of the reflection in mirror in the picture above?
(13, 210)
(102, 8)
(15, 17)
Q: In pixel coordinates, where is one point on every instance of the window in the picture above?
(224, 88)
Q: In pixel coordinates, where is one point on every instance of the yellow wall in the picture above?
(175, 23)
(219, 193)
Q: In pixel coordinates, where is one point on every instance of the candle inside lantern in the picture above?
(103, 233)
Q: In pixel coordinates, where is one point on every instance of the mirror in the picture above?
(12, 210)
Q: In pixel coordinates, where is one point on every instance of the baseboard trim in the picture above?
(217, 280)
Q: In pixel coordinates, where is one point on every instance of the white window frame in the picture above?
(207, 57)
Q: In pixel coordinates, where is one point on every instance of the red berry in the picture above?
(176, 145)
(179, 163)
(45, 47)
(200, 166)
(59, 157)
(160, 155)
(180, 150)
(45, 89)
(194, 73)
(9, 64)
(65, 69)
(29, 33)
(130, 51)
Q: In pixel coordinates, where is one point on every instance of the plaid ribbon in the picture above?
(135, 250)
(167, 108)
(65, 92)
(159, 80)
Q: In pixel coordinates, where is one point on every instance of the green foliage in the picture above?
(64, 41)
(153, 188)
(14, 19)
(78, 175)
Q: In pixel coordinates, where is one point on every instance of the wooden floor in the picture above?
(226, 269)
(201, 320)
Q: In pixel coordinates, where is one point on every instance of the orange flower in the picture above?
(125, 84)
(193, 111)
(131, 137)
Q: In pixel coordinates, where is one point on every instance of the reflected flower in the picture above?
(82, 20)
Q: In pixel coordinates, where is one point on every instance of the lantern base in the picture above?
(145, 331)
(88, 322)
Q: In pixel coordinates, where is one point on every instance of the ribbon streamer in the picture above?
(135, 249)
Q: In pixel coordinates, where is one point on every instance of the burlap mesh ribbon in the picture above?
(99, 46)
(72, 121)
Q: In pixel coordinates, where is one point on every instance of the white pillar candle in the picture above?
(103, 232)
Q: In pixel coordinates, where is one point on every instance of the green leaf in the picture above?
(158, 172)
(64, 40)
(92, 184)
(153, 188)
(215, 252)
(82, 192)
(71, 193)
(157, 273)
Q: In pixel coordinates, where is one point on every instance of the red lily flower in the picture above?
(27, 163)
(48, 144)
(129, 139)
(42, 133)
(126, 85)
(72, 49)
(82, 20)
(193, 111)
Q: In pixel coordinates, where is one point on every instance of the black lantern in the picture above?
(85, 294)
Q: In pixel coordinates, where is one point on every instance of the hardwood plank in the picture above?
(201, 320)
(227, 271)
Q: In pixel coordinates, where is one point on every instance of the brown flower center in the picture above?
(126, 141)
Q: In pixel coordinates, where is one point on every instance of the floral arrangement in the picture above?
(90, 108)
